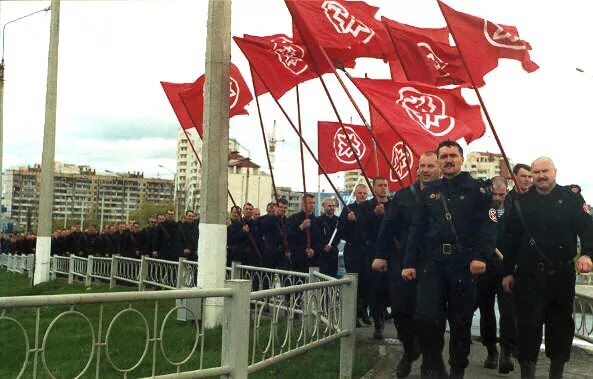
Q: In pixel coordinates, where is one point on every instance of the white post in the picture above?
(71, 269)
(114, 262)
(213, 196)
(235, 329)
(46, 188)
(189, 308)
(348, 343)
(89, 271)
(143, 273)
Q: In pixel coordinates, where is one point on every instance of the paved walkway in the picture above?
(390, 351)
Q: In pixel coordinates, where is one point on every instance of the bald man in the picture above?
(539, 245)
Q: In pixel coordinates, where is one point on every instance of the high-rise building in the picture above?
(79, 193)
(484, 165)
(351, 178)
(246, 182)
(188, 174)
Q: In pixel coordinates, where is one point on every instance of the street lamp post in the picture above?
(2, 84)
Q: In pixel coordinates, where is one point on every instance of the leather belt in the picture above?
(448, 248)
(552, 267)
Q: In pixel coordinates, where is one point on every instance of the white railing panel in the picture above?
(128, 269)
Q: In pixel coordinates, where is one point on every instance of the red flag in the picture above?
(483, 42)
(172, 90)
(432, 34)
(334, 152)
(403, 162)
(425, 59)
(423, 115)
(283, 63)
(239, 97)
(343, 28)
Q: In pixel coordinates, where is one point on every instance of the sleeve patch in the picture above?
(492, 214)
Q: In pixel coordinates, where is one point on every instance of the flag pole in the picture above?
(331, 64)
(298, 102)
(364, 120)
(477, 91)
(263, 133)
(396, 50)
(251, 239)
(343, 128)
(335, 109)
(305, 144)
(374, 142)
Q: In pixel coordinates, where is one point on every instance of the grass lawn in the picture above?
(68, 343)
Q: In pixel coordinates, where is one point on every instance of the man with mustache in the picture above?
(455, 231)
(540, 245)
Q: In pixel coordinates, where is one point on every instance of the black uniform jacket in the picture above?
(395, 228)
(472, 215)
(554, 221)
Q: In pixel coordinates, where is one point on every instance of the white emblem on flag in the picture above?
(436, 61)
(427, 110)
(233, 92)
(344, 23)
(401, 162)
(342, 149)
(290, 55)
(499, 37)
(492, 215)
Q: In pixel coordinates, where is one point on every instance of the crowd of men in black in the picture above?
(435, 252)
(163, 238)
(439, 250)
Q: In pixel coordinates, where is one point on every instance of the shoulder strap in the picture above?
(415, 194)
(449, 218)
(532, 242)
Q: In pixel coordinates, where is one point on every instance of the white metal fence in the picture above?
(271, 316)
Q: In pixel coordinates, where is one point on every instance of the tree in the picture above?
(150, 209)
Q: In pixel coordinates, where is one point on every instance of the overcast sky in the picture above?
(113, 114)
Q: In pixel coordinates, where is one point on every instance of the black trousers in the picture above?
(356, 261)
(446, 290)
(545, 298)
(402, 295)
(489, 288)
(379, 297)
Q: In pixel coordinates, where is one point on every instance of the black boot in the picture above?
(556, 369)
(491, 360)
(403, 367)
(527, 369)
(505, 363)
(364, 316)
(457, 372)
(378, 333)
(405, 364)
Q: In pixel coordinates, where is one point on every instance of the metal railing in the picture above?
(287, 321)
(264, 278)
(583, 315)
(18, 263)
(585, 279)
(152, 310)
(288, 314)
